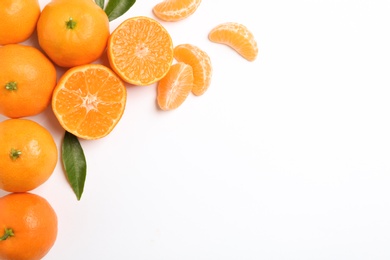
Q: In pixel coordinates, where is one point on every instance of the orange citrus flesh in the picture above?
(175, 10)
(238, 37)
(173, 89)
(200, 63)
(140, 51)
(89, 101)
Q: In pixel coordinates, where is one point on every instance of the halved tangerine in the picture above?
(174, 88)
(175, 10)
(140, 51)
(89, 101)
(238, 37)
(200, 62)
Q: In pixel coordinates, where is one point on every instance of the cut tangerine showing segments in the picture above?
(200, 62)
(174, 88)
(89, 101)
(175, 10)
(238, 37)
(140, 51)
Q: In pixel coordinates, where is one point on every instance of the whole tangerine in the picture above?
(27, 80)
(28, 155)
(29, 227)
(18, 20)
(73, 32)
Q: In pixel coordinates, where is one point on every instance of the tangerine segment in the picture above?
(173, 89)
(175, 10)
(140, 51)
(89, 101)
(238, 37)
(200, 62)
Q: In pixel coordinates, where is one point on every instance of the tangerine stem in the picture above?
(14, 154)
(70, 24)
(8, 232)
(12, 85)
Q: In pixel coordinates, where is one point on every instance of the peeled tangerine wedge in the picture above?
(200, 63)
(173, 89)
(175, 10)
(89, 101)
(238, 37)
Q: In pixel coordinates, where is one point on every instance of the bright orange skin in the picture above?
(69, 47)
(34, 224)
(18, 20)
(36, 161)
(35, 76)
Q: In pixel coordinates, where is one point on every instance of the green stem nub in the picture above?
(70, 24)
(8, 232)
(14, 154)
(12, 85)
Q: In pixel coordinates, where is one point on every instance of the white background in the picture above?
(283, 158)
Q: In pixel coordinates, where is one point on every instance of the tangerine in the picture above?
(27, 80)
(200, 62)
(18, 20)
(173, 89)
(89, 101)
(30, 227)
(28, 155)
(175, 10)
(238, 37)
(140, 51)
(73, 32)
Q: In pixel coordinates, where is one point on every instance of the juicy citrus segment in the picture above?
(175, 10)
(140, 51)
(200, 62)
(238, 37)
(89, 101)
(173, 89)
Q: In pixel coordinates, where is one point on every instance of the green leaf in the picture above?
(74, 163)
(116, 8)
(100, 3)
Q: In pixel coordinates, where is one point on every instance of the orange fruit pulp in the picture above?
(175, 10)
(140, 51)
(238, 37)
(173, 89)
(89, 101)
(200, 62)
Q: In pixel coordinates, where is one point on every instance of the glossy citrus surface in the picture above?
(18, 20)
(89, 101)
(73, 32)
(33, 225)
(140, 51)
(28, 155)
(27, 80)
